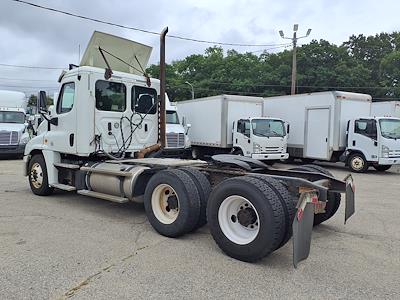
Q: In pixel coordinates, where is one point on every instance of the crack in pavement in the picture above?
(72, 291)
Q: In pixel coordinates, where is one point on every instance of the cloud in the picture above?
(31, 36)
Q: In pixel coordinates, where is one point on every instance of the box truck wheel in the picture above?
(204, 189)
(382, 168)
(357, 163)
(172, 203)
(237, 151)
(288, 202)
(37, 176)
(246, 218)
(333, 198)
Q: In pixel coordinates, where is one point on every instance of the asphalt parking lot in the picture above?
(71, 246)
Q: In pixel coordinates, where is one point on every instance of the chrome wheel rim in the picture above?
(36, 176)
(357, 163)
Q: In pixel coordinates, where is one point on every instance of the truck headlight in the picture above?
(256, 148)
(385, 151)
(24, 140)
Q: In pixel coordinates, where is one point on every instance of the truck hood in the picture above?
(392, 144)
(174, 128)
(12, 127)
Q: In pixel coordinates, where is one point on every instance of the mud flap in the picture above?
(350, 196)
(303, 226)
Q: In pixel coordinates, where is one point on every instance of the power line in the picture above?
(140, 29)
(26, 86)
(31, 67)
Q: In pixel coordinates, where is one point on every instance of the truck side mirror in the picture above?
(288, 128)
(188, 126)
(42, 101)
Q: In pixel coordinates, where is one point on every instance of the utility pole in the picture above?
(294, 63)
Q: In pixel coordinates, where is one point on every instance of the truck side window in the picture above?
(144, 100)
(244, 127)
(110, 96)
(66, 98)
(366, 128)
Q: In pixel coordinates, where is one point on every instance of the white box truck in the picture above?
(336, 126)
(386, 109)
(13, 133)
(233, 124)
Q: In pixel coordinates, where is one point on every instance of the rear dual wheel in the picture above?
(246, 218)
(175, 201)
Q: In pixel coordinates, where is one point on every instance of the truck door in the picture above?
(317, 133)
(241, 137)
(144, 106)
(364, 138)
(62, 137)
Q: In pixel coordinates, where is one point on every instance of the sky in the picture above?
(35, 37)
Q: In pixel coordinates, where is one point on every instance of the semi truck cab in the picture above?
(260, 138)
(13, 126)
(373, 141)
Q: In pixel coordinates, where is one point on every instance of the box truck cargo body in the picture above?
(233, 124)
(333, 126)
(386, 109)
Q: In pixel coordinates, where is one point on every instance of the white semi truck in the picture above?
(336, 126)
(13, 118)
(386, 109)
(177, 139)
(233, 124)
(109, 116)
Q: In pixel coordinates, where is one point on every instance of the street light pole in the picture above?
(294, 62)
(191, 86)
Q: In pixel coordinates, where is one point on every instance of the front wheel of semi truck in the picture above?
(172, 203)
(37, 176)
(246, 218)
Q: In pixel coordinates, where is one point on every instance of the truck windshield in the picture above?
(268, 128)
(390, 128)
(12, 117)
(172, 117)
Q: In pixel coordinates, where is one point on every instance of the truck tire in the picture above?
(204, 190)
(382, 168)
(357, 163)
(37, 176)
(172, 203)
(288, 202)
(246, 218)
(238, 151)
(333, 198)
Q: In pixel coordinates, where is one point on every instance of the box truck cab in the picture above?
(13, 118)
(233, 124)
(260, 138)
(373, 141)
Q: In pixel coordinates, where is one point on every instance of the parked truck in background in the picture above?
(233, 124)
(13, 123)
(110, 115)
(337, 126)
(177, 139)
(386, 109)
